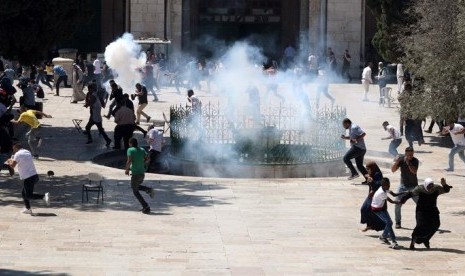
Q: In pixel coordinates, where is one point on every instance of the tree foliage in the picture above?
(435, 53)
(29, 28)
(390, 17)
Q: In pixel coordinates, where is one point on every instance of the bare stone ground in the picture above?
(201, 226)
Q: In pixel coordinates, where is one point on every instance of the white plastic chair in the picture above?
(386, 96)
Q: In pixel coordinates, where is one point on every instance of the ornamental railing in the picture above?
(284, 134)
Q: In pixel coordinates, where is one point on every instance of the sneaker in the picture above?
(353, 176)
(36, 156)
(449, 170)
(146, 210)
(39, 142)
(394, 245)
(47, 199)
(27, 211)
(108, 143)
(148, 119)
(398, 226)
(152, 193)
(384, 239)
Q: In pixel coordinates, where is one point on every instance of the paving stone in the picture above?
(203, 226)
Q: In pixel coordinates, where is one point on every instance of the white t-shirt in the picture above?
(26, 166)
(157, 137)
(97, 67)
(379, 198)
(458, 139)
(391, 129)
(366, 74)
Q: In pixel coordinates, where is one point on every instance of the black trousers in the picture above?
(100, 130)
(358, 154)
(59, 80)
(123, 132)
(136, 185)
(28, 190)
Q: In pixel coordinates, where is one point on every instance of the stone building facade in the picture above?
(308, 25)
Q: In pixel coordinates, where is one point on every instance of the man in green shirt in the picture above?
(137, 158)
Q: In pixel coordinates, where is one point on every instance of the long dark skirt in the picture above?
(427, 224)
(413, 130)
(371, 219)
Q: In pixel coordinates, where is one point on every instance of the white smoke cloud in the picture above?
(125, 57)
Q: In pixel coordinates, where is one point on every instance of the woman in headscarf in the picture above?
(427, 212)
(367, 216)
(78, 84)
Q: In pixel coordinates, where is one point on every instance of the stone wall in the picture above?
(344, 31)
(344, 25)
(147, 18)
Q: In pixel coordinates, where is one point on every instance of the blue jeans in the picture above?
(395, 143)
(358, 154)
(456, 149)
(397, 208)
(388, 231)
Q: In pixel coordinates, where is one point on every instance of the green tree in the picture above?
(435, 53)
(29, 28)
(390, 16)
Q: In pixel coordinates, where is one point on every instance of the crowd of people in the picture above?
(374, 211)
(93, 75)
(89, 75)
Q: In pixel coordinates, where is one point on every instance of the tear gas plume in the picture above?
(125, 58)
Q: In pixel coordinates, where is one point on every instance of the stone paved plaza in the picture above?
(203, 226)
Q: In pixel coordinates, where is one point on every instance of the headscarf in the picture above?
(428, 181)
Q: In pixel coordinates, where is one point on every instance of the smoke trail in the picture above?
(125, 58)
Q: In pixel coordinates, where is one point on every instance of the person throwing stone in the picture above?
(357, 148)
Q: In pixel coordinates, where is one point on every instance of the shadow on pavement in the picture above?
(28, 273)
(66, 192)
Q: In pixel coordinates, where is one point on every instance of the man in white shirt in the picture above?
(381, 77)
(394, 135)
(27, 172)
(366, 80)
(313, 66)
(357, 148)
(457, 132)
(155, 140)
(98, 72)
